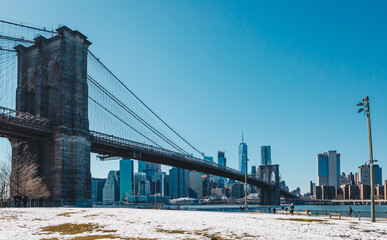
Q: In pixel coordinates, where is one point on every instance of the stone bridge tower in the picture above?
(52, 83)
(270, 173)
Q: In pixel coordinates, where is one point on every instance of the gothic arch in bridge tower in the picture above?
(270, 174)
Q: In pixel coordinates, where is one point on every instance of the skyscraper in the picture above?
(328, 169)
(195, 185)
(158, 183)
(242, 155)
(148, 166)
(265, 155)
(364, 174)
(126, 178)
(141, 184)
(208, 158)
(221, 159)
(111, 189)
(178, 182)
(97, 189)
(254, 171)
(141, 166)
(312, 186)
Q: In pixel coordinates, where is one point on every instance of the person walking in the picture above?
(350, 211)
(291, 209)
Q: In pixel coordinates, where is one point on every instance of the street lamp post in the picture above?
(366, 104)
(245, 182)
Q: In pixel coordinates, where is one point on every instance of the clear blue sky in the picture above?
(289, 73)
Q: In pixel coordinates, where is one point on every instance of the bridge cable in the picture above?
(144, 104)
(47, 31)
(127, 109)
(120, 119)
(26, 26)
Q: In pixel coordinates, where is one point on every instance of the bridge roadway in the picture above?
(25, 126)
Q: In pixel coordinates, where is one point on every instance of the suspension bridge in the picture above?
(70, 104)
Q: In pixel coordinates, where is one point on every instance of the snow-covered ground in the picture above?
(122, 223)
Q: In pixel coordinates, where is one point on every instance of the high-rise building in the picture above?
(265, 155)
(354, 192)
(365, 191)
(178, 183)
(208, 158)
(345, 191)
(126, 178)
(318, 192)
(254, 171)
(111, 188)
(97, 189)
(351, 178)
(141, 166)
(297, 192)
(312, 185)
(195, 185)
(243, 156)
(141, 184)
(221, 159)
(385, 189)
(364, 174)
(328, 169)
(238, 190)
(206, 185)
(283, 185)
(158, 183)
(379, 192)
(328, 192)
(148, 165)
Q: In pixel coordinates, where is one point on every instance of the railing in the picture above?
(116, 141)
(24, 119)
(355, 213)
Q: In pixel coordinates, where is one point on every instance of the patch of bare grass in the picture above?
(171, 231)
(305, 220)
(65, 214)
(9, 217)
(109, 236)
(70, 228)
(94, 237)
(106, 231)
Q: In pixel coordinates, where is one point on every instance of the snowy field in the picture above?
(119, 223)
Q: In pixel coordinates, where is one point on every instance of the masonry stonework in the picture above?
(52, 83)
(270, 173)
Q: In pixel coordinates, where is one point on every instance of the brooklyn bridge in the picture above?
(65, 103)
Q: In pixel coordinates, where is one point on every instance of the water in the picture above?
(357, 210)
(362, 210)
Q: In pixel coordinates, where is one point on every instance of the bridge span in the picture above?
(25, 126)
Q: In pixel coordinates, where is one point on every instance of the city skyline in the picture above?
(289, 76)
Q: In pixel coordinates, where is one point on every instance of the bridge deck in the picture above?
(15, 124)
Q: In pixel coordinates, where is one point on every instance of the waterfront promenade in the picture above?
(120, 223)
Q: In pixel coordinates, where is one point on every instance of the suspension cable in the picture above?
(99, 61)
(127, 109)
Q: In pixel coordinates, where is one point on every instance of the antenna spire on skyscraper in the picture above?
(243, 140)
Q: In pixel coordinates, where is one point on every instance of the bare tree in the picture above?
(5, 173)
(25, 179)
